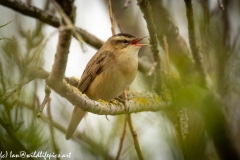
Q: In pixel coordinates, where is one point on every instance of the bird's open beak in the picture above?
(135, 42)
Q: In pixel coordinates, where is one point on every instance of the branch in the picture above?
(68, 22)
(192, 40)
(135, 138)
(45, 100)
(55, 147)
(61, 57)
(48, 18)
(122, 137)
(166, 53)
(178, 49)
(31, 11)
(111, 17)
(31, 75)
(148, 15)
(137, 103)
(55, 79)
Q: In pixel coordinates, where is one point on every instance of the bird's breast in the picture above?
(114, 79)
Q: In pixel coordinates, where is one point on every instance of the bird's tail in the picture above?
(77, 116)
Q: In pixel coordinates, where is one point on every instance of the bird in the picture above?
(109, 72)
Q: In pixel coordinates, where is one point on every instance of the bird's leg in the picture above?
(120, 99)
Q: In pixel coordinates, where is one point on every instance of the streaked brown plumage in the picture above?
(110, 71)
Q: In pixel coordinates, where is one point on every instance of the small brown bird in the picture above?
(110, 71)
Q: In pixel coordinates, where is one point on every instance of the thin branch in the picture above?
(31, 11)
(55, 148)
(152, 69)
(5, 24)
(90, 38)
(134, 133)
(61, 57)
(48, 18)
(192, 41)
(111, 17)
(45, 100)
(31, 75)
(55, 80)
(68, 22)
(179, 52)
(122, 137)
(135, 138)
(166, 52)
(148, 15)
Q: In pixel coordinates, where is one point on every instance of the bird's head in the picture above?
(125, 42)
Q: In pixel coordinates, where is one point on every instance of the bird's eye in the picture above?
(125, 41)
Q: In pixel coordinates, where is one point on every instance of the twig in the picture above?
(14, 89)
(125, 98)
(179, 52)
(32, 74)
(122, 137)
(166, 52)
(135, 138)
(152, 69)
(5, 24)
(193, 45)
(111, 17)
(45, 100)
(61, 57)
(31, 11)
(220, 4)
(48, 18)
(146, 9)
(55, 148)
(68, 22)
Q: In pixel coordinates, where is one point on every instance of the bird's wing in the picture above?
(93, 69)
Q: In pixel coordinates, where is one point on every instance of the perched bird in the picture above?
(110, 71)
